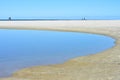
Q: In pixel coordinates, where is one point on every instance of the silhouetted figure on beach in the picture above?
(84, 18)
(9, 18)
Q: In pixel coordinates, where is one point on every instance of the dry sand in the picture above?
(101, 66)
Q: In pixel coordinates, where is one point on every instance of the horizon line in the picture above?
(51, 19)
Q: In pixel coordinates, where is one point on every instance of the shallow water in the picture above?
(24, 48)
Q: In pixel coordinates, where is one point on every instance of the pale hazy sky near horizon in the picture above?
(59, 8)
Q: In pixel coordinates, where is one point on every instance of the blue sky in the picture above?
(60, 8)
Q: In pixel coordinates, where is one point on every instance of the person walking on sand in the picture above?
(9, 18)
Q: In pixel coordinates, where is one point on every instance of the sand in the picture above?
(100, 66)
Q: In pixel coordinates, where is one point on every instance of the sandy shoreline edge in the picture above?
(103, 66)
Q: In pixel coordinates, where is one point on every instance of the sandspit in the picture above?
(100, 66)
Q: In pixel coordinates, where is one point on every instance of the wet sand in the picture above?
(100, 66)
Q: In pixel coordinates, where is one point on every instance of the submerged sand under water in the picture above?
(102, 66)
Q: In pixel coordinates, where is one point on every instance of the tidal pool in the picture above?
(25, 48)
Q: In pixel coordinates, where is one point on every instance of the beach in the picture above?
(100, 66)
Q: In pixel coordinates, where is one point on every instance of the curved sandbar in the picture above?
(103, 66)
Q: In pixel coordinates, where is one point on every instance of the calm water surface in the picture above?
(24, 48)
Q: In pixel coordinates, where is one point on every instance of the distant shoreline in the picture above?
(52, 19)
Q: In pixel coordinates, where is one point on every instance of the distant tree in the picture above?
(10, 18)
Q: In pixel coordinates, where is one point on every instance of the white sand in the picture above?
(59, 24)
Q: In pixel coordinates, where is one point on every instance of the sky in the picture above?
(60, 9)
